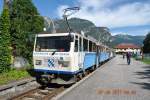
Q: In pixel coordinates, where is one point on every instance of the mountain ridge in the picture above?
(102, 34)
(121, 38)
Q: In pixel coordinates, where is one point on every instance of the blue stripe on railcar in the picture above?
(103, 56)
(107, 56)
(89, 60)
(57, 71)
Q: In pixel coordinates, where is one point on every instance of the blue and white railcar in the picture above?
(60, 58)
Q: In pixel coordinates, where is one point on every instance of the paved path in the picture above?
(115, 81)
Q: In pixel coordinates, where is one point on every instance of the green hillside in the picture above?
(137, 40)
(100, 33)
(77, 25)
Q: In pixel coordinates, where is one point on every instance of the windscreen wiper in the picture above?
(53, 52)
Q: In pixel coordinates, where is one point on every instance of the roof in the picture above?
(47, 34)
(126, 46)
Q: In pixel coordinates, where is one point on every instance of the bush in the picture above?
(5, 45)
(146, 47)
(25, 23)
(13, 75)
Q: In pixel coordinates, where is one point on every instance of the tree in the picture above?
(146, 47)
(26, 22)
(5, 44)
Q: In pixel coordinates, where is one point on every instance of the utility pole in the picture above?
(5, 3)
(49, 21)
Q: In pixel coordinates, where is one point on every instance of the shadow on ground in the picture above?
(144, 85)
(145, 74)
(52, 86)
(31, 72)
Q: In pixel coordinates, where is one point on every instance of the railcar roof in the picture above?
(47, 34)
(50, 34)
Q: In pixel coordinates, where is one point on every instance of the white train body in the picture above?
(59, 57)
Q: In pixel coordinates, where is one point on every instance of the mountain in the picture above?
(122, 38)
(100, 33)
(77, 25)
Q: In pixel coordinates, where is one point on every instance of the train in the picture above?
(64, 58)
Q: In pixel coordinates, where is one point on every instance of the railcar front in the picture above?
(53, 58)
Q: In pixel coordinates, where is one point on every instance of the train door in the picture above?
(80, 56)
(97, 56)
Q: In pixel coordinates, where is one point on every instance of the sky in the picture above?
(120, 16)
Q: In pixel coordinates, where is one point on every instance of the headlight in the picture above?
(64, 63)
(38, 62)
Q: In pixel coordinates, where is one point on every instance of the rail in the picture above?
(14, 88)
(39, 94)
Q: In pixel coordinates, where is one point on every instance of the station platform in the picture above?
(115, 80)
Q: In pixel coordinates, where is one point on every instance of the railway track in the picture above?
(39, 93)
(46, 93)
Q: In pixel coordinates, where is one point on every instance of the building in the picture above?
(127, 47)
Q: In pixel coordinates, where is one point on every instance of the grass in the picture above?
(147, 61)
(13, 75)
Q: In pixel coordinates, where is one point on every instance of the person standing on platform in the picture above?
(128, 55)
(123, 55)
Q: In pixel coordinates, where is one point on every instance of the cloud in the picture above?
(113, 14)
(132, 31)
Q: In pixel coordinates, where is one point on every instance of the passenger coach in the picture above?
(64, 57)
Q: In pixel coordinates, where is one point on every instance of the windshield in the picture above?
(53, 44)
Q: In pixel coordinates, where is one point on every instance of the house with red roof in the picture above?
(127, 47)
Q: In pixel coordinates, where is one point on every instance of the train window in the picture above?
(85, 45)
(51, 44)
(94, 47)
(76, 44)
(80, 44)
(76, 37)
(101, 49)
(90, 46)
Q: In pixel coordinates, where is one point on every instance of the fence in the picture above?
(146, 55)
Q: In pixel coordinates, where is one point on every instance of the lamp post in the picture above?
(7, 3)
(49, 22)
